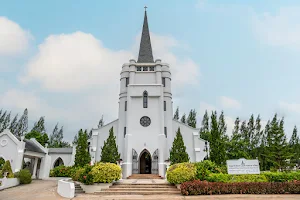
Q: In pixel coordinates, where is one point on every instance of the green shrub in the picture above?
(61, 171)
(1, 174)
(106, 172)
(79, 173)
(207, 167)
(282, 176)
(181, 172)
(25, 176)
(212, 177)
(7, 168)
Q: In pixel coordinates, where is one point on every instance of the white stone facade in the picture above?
(134, 140)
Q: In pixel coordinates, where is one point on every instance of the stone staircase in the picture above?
(140, 189)
(78, 189)
(144, 176)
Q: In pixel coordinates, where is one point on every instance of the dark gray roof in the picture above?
(31, 146)
(145, 53)
(61, 150)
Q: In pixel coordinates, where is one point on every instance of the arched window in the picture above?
(145, 99)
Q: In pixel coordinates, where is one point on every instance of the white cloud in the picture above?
(281, 29)
(230, 124)
(290, 107)
(13, 39)
(227, 102)
(19, 100)
(76, 61)
(206, 107)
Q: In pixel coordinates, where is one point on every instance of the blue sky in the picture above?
(62, 59)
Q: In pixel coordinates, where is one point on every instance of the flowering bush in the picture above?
(61, 171)
(181, 172)
(198, 187)
(106, 172)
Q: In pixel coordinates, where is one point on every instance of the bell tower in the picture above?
(145, 111)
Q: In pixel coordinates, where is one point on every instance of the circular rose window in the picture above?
(145, 121)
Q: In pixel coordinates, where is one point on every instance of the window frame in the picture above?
(163, 80)
(165, 106)
(124, 131)
(125, 106)
(127, 81)
(145, 99)
(165, 132)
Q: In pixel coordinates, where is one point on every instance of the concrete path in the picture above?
(46, 190)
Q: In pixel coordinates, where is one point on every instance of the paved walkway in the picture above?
(46, 190)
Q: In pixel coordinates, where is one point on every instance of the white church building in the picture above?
(145, 129)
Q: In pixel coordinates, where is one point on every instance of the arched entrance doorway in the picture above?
(145, 162)
(58, 162)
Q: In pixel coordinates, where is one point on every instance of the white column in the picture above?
(34, 168)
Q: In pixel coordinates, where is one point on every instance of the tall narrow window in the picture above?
(165, 106)
(125, 105)
(145, 99)
(127, 82)
(124, 131)
(166, 132)
(164, 81)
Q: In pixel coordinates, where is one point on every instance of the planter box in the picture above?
(97, 187)
(65, 188)
(9, 182)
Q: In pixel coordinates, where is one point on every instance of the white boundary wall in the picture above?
(65, 188)
(9, 182)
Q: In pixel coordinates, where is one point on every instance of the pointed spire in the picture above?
(145, 53)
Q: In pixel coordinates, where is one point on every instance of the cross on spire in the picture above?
(145, 8)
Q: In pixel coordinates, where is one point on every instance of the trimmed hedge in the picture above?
(198, 187)
(206, 167)
(228, 178)
(282, 176)
(105, 172)
(181, 172)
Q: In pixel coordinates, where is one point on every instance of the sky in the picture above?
(62, 59)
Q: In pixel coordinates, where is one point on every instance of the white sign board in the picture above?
(243, 166)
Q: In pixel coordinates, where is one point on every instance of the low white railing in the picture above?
(8, 182)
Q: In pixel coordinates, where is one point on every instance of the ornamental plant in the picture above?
(106, 172)
(25, 176)
(181, 172)
(7, 168)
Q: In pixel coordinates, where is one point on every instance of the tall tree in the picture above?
(257, 138)
(14, 125)
(236, 144)
(101, 122)
(82, 156)
(109, 151)
(192, 118)
(56, 138)
(176, 114)
(90, 134)
(294, 144)
(217, 146)
(278, 150)
(39, 126)
(5, 123)
(183, 120)
(42, 138)
(204, 130)
(2, 119)
(22, 124)
(178, 152)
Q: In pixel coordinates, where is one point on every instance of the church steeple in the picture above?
(145, 53)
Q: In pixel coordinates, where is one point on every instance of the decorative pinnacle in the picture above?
(145, 8)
